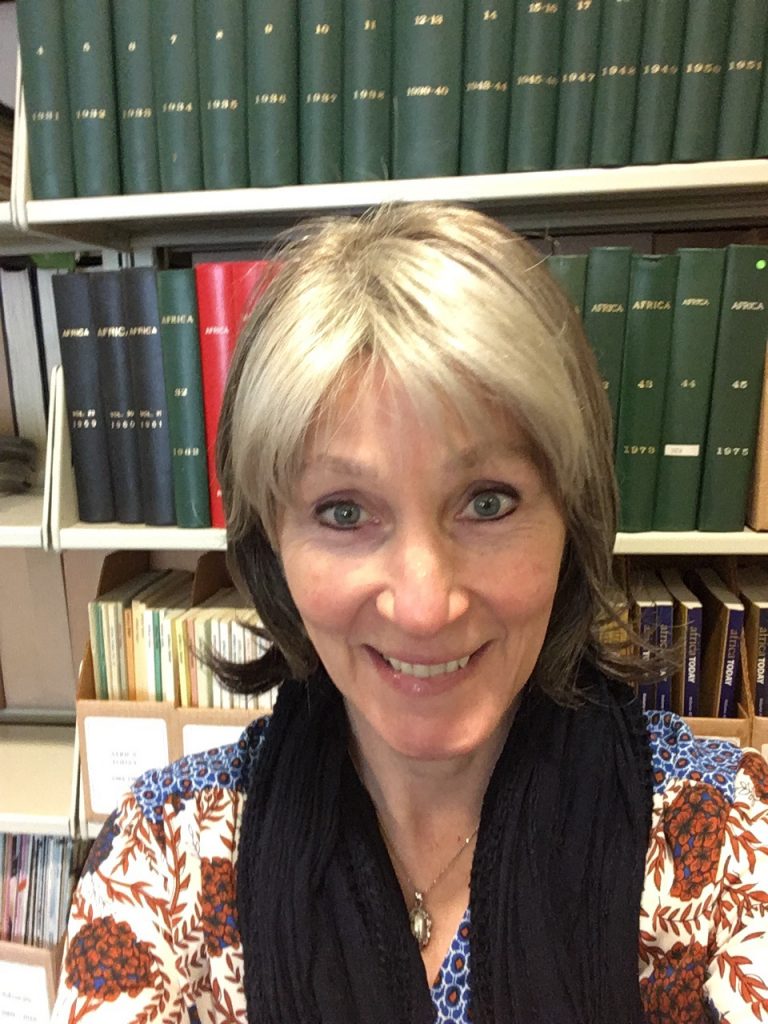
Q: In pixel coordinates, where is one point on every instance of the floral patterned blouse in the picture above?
(153, 935)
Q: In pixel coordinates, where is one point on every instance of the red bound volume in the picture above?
(223, 293)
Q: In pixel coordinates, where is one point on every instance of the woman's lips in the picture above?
(423, 684)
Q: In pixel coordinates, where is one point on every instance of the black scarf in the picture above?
(556, 879)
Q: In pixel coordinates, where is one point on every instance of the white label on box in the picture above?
(118, 750)
(23, 993)
(764, 751)
(197, 737)
(689, 450)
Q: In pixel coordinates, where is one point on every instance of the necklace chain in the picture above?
(420, 917)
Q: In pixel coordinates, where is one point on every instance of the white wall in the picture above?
(8, 42)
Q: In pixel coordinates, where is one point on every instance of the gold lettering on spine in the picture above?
(429, 19)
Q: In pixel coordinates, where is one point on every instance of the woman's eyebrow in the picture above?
(469, 457)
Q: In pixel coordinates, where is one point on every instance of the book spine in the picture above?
(693, 647)
(728, 698)
(135, 96)
(689, 387)
(570, 272)
(46, 96)
(87, 427)
(761, 663)
(761, 129)
(272, 59)
(221, 75)
(736, 389)
(698, 105)
(664, 625)
(659, 81)
(93, 111)
(367, 89)
(643, 377)
(148, 381)
(216, 346)
(578, 81)
(613, 115)
(742, 79)
(533, 85)
(605, 313)
(320, 90)
(117, 394)
(646, 627)
(184, 394)
(177, 100)
(485, 100)
(427, 88)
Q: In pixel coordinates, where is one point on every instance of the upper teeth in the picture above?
(425, 671)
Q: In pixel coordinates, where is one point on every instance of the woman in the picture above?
(457, 811)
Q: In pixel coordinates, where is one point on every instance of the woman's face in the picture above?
(423, 560)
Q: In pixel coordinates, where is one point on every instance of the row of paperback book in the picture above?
(37, 874)
(151, 641)
(170, 95)
(680, 341)
(145, 356)
(716, 633)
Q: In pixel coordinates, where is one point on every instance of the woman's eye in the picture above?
(341, 515)
(491, 505)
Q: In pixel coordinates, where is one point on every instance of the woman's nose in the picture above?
(421, 594)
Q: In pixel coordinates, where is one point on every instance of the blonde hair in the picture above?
(460, 311)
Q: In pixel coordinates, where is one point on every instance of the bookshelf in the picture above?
(39, 770)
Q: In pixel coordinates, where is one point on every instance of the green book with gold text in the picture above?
(742, 79)
(46, 98)
(321, 58)
(689, 387)
(643, 379)
(578, 81)
(135, 96)
(93, 108)
(485, 100)
(736, 389)
(614, 111)
(533, 85)
(221, 75)
(177, 95)
(426, 89)
(659, 80)
(605, 313)
(570, 272)
(367, 89)
(698, 104)
(273, 91)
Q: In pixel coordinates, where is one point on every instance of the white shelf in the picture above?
(716, 192)
(39, 773)
(693, 542)
(112, 536)
(21, 520)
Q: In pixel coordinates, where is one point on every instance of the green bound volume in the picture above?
(570, 272)
(605, 313)
(93, 117)
(689, 386)
(743, 79)
(367, 89)
(321, 62)
(578, 80)
(643, 378)
(177, 97)
(135, 96)
(221, 72)
(485, 100)
(426, 92)
(620, 38)
(659, 81)
(698, 105)
(736, 389)
(533, 86)
(273, 91)
(46, 96)
(177, 299)
(761, 131)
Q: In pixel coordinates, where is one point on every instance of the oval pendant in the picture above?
(421, 922)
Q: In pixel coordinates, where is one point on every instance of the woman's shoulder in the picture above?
(221, 769)
(678, 755)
